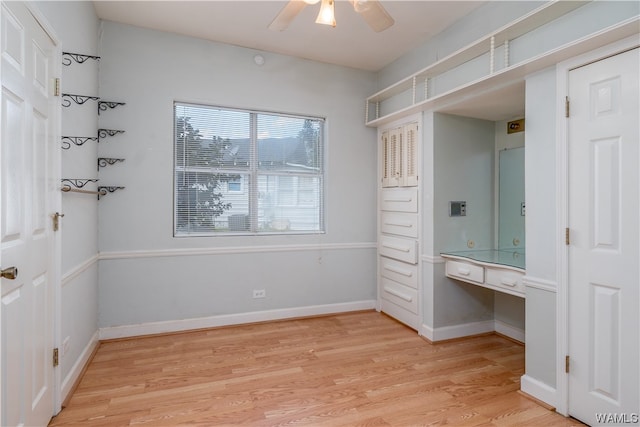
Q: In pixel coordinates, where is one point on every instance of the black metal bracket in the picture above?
(67, 58)
(77, 182)
(78, 99)
(76, 140)
(103, 190)
(104, 105)
(104, 161)
(103, 133)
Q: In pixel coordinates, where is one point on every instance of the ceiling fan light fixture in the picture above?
(360, 5)
(327, 13)
(311, 1)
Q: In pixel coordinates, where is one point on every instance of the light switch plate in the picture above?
(458, 208)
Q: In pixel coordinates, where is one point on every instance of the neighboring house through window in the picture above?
(234, 185)
(239, 171)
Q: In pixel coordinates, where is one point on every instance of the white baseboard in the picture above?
(73, 375)
(509, 331)
(468, 329)
(539, 390)
(231, 319)
(457, 331)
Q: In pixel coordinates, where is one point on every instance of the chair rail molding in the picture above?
(156, 253)
(76, 271)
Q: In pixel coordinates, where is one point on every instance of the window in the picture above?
(247, 172)
(234, 184)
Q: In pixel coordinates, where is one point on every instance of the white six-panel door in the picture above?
(26, 235)
(604, 251)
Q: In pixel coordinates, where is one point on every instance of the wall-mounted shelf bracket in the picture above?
(78, 99)
(105, 161)
(104, 190)
(69, 57)
(76, 140)
(103, 133)
(76, 186)
(104, 105)
(77, 182)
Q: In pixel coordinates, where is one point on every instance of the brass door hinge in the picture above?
(56, 220)
(566, 364)
(566, 106)
(56, 358)
(567, 239)
(56, 87)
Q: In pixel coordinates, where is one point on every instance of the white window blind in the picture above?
(247, 172)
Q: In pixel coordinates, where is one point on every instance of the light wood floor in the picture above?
(344, 370)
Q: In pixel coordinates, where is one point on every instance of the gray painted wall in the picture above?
(76, 26)
(464, 170)
(460, 151)
(149, 70)
(541, 224)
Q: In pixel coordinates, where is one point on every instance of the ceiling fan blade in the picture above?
(286, 15)
(374, 14)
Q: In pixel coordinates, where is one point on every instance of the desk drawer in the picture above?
(506, 279)
(401, 272)
(465, 272)
(400, 223)
(400, 200)
(400, 295)
(399, 248)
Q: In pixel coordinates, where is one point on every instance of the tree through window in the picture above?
(247, 172)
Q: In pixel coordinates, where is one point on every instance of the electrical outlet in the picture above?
(523, 210)
(259, 293)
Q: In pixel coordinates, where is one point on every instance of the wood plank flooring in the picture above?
(350, 369)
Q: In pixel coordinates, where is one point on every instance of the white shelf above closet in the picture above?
(415, 88)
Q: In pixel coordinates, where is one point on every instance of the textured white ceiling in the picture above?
(244, 23)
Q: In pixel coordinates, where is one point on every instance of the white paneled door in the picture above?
(27, 242)
(604, 251)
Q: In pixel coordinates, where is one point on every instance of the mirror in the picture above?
(511, 209)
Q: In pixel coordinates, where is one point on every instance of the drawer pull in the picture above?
(464, 272)
(400, 224)
(396, 248)
(406, 273)
(407, 298)
(399, 199)
(508, 282)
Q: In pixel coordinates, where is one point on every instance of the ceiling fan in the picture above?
(371, 10)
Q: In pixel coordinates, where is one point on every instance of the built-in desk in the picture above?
(498, 269)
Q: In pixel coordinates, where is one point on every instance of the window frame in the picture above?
(239, 181)
(249, 177)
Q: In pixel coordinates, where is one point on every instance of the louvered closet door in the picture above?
(409, 158)
(387, 168)
(392, 146)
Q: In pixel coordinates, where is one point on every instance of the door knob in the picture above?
(10, 273)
